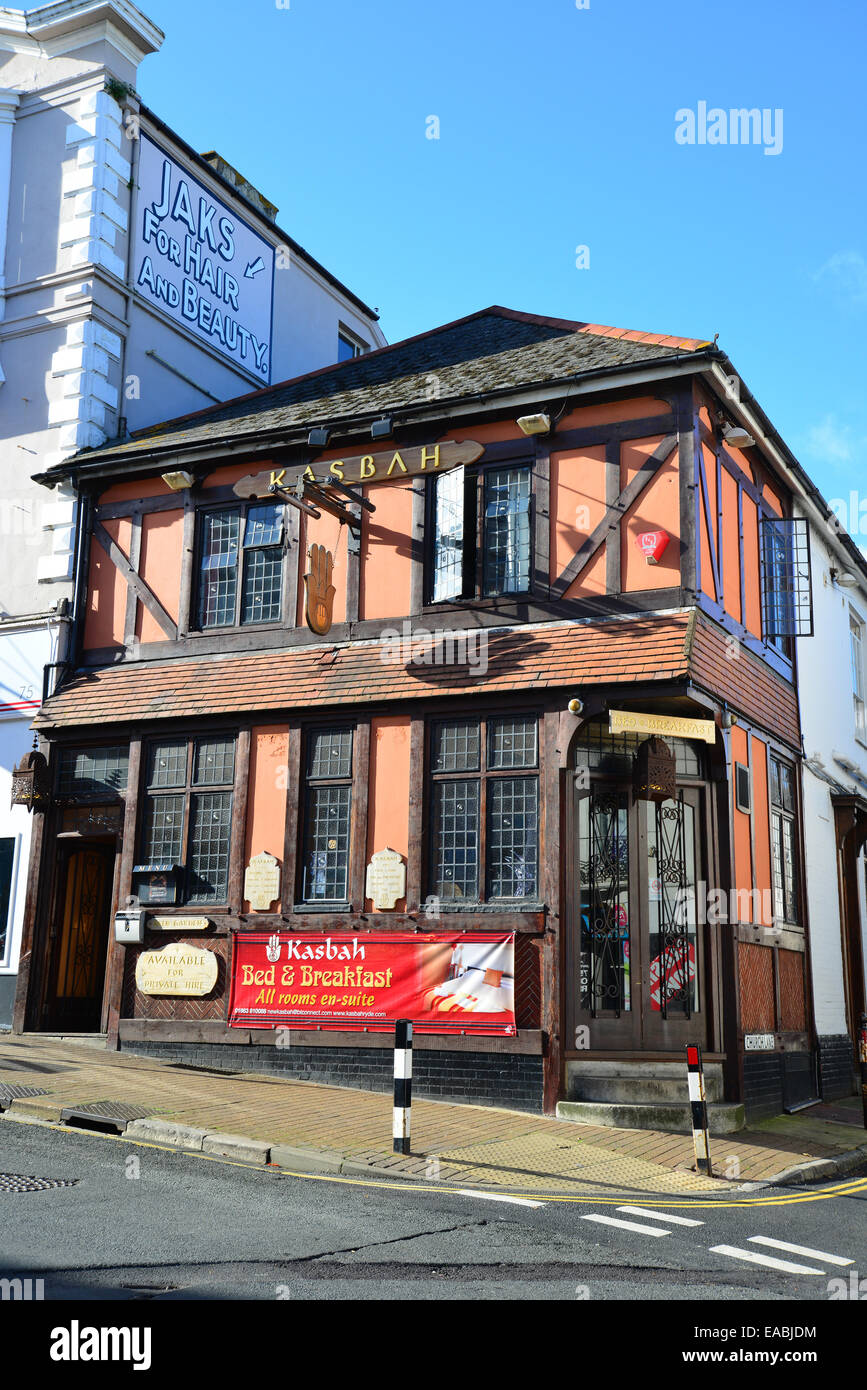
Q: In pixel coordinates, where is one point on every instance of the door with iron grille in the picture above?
(636, 968)
(80, 939)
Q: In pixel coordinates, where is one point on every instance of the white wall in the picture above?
(828, 725)
(75, 338)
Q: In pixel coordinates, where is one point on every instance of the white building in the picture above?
(833, 696)
(138, 281)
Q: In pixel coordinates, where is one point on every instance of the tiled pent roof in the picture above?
(493, 350)
(541, 656)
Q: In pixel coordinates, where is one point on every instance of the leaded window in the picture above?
(93, 772)
(506, 531)
(480, 522)
(484, 831)
(327, 811)
(784, 853)
(787, 600)
(612, 755)
(240, 564)
(187, 812)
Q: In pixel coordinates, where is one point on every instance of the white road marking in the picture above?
(661, 1216)
(627, 1225)
(785, 1265)
(496, 1197)
(800, 1250)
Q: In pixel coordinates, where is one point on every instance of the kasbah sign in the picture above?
(386, 465)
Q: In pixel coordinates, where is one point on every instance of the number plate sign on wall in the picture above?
(177, 969)
(758, 1042)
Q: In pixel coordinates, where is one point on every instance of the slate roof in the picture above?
(550, 655)
(489, 351)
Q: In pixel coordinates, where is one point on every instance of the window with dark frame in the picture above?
(239, 560)
(327, 811)
(482, 535)
(484, 830)
(93, 773)
(784, 855)
(187, 812)
(7, 864)
(787, 599)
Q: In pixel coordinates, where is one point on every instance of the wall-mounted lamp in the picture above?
(737, 437)
(534, 424)
(178, 480)
(844, 579)
(575, 705)
(318, 438)
(382, 429)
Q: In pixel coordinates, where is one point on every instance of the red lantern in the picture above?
(652, 544)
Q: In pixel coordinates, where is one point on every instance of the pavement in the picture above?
(304, 1127)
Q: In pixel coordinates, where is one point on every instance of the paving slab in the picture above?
(307, 1127)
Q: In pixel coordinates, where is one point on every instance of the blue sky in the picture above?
(557, 130)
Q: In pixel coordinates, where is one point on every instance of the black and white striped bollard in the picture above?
(402, 1085)
(698, 1105)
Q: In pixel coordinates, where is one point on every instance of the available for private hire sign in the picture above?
(199, 263)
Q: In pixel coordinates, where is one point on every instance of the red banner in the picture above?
(445, 983)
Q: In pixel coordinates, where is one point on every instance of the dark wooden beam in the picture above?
(591, 435)
(238, 837)
(117, 953)
(131, 596)
(615, 513)
(358, 814)
(542, 519)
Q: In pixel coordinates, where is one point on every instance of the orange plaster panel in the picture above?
(106, 590)
(762, 828)
(577, 507)
(132, 492)
(741, 821)
(633, 408)
(266, 799)
(160, 568)
(772, 500)
(752, 572)
(385, 552)
(329, 532)
(388, 807)
(656, 509)
(708, 523)
(730, 558)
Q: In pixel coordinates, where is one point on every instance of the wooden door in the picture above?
(80, 939)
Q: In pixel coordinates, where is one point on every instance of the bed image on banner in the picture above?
(462, 982)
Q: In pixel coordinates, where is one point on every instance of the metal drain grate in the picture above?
(10, 1093)
(18, 1182)
(103, 1114)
